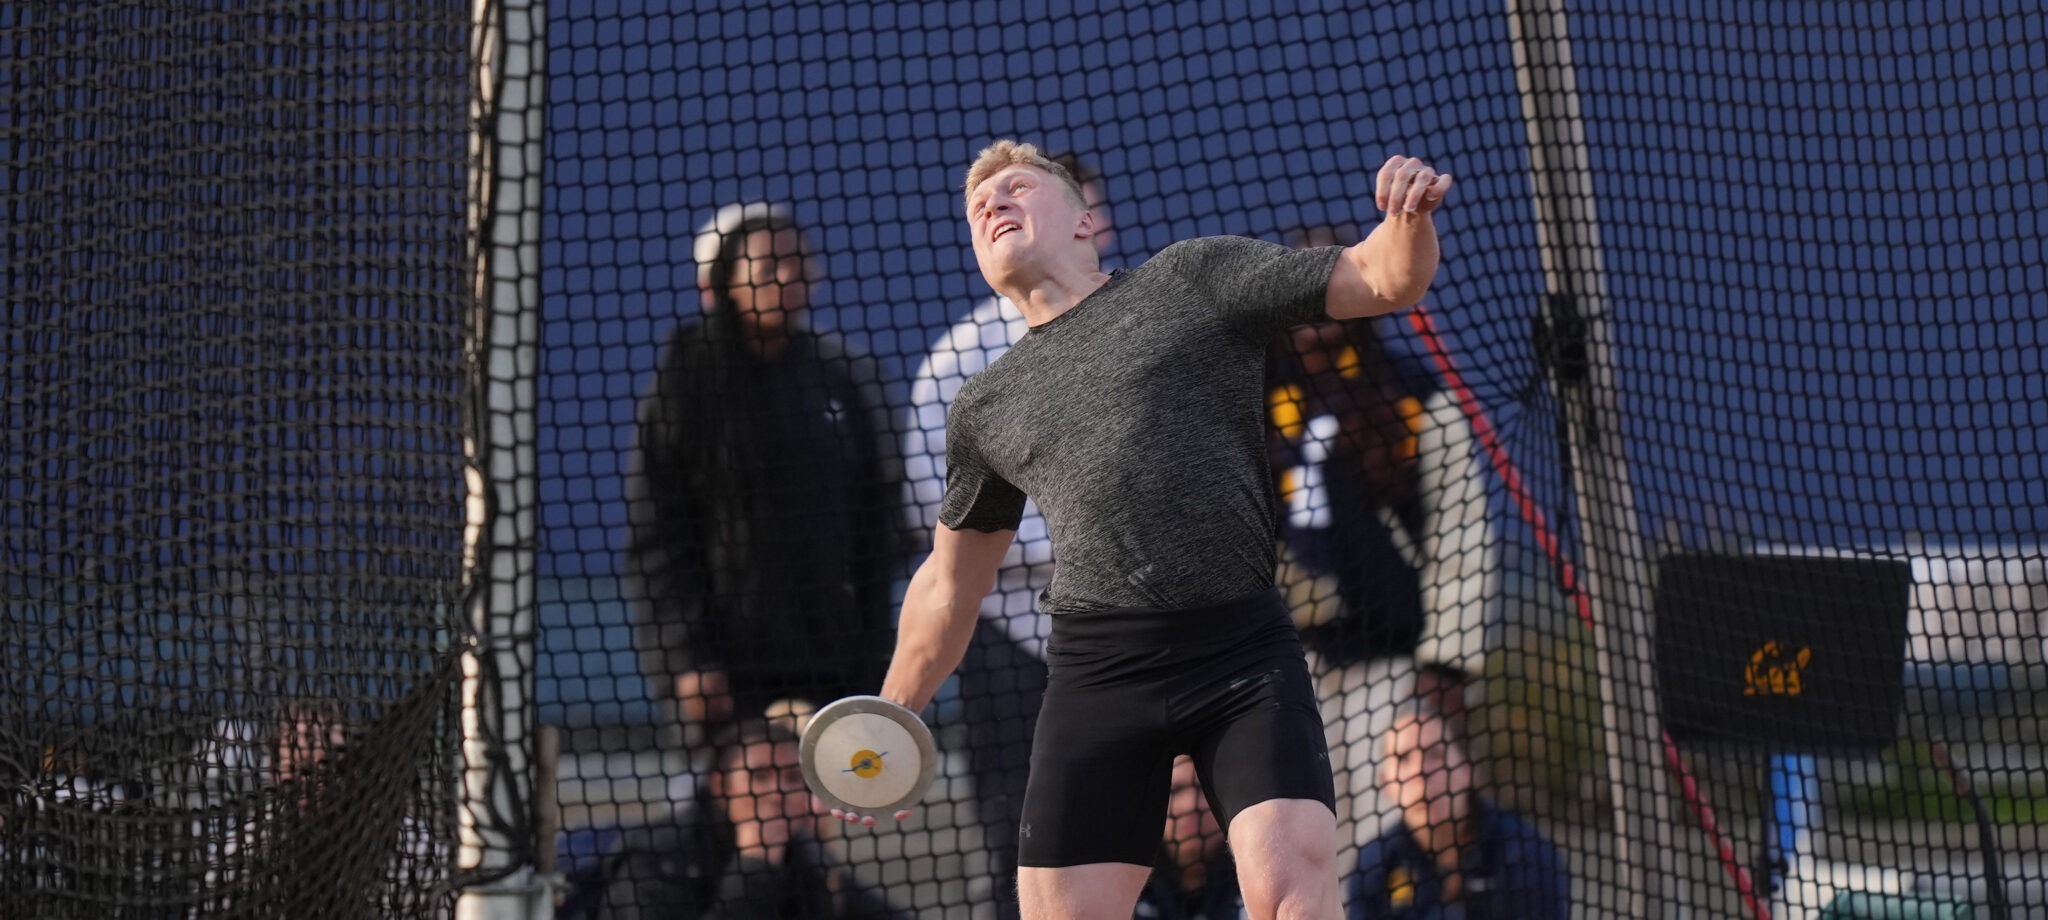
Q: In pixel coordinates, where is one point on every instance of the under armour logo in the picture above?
(1027, 829)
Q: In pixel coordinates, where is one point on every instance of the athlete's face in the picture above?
(1427, 775)
(1020, 216)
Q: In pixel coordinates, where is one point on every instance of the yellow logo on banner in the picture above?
(866, 764)
(1773, 672)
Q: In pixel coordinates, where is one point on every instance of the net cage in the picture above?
(239, 290)
(1691, 521)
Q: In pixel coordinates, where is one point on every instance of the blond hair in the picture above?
(1006, 153)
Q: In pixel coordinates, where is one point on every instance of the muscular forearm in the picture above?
(931, 636)
(1399, 260)
(1392, 269)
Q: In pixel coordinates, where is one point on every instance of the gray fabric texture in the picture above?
(1136, 421)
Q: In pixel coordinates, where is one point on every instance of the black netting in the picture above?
(1700, 499)
(1761, 282)
(230, 481)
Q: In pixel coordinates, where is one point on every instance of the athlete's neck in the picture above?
(1052, 294)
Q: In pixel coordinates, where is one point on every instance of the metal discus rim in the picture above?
(840, 710)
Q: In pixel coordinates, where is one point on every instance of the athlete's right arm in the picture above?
(939, 610)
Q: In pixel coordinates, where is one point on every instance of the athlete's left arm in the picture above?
(1392, 268)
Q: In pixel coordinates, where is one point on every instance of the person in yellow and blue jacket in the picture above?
(1344, 419)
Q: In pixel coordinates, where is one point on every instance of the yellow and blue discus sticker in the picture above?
(869, 755)
(867, 764)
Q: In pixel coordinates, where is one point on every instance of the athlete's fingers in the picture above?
(1439, 189)
(1406, 178)
(1428, 196)
(1419, 182)
(854, 817)
(1383, 186)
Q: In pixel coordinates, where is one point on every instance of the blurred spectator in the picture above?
(747, 849)
(329, 827)
(1195, 877)
(51, 804)
(1454, 852)
(1003, 676)
(1346, 418)
(762, 494)
(1343, 435)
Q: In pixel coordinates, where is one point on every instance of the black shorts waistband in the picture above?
(1152, 627)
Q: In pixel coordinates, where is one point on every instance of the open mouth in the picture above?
(1001, 230)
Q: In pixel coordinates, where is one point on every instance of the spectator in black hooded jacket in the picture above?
(764, 492)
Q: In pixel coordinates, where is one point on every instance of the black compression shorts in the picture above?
(1128, 690)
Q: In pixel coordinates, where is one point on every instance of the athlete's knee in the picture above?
(1303, 891)
(1295, 883)
(1303, 905)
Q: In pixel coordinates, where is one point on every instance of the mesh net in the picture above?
(1686, 533)
(1764, 287)
(230, 475)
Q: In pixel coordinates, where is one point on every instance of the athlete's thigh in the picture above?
(1286, 854)
(1264, 739)
(1100, 772)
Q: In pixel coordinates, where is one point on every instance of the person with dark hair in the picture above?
(747, 849)
(763, 492)
(1454, 853)
(1003, 675)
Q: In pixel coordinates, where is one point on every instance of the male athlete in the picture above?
(1132, 414)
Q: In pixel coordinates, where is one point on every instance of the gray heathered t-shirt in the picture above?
(1136, 419)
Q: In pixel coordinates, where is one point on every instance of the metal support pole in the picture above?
(1616, 567)
(497, 844)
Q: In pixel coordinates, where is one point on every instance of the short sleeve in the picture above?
(976, 497)
(1258, 288)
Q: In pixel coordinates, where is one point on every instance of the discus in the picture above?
(866, 754)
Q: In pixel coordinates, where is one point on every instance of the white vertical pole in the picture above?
(497, 794)
(1615, 574)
